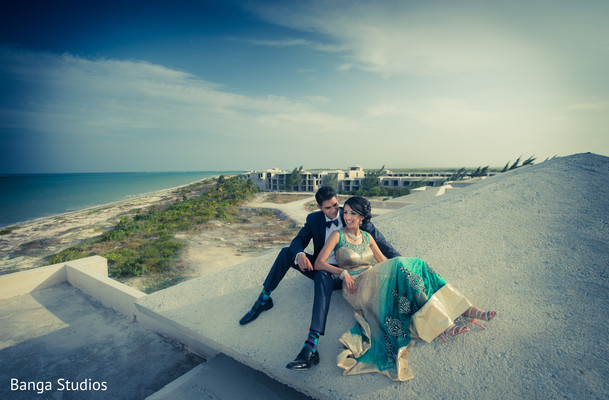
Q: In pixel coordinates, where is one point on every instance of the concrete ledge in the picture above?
(170, 328)
(24, 282)
(224, 378)
(90, 275)
(210, 308)
(107, 291)
(177, 386)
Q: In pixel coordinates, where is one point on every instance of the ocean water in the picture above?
(26, 197)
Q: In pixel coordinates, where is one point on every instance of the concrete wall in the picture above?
(107, 291)
(24, 282)
(90, 275)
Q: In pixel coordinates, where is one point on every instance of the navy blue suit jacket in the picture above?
(315, 228)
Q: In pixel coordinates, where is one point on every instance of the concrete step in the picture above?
(223, 378)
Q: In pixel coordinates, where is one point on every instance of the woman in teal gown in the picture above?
(394, 301)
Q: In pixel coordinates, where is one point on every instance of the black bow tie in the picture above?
(329, 223)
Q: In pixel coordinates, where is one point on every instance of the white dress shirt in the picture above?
(332, 257)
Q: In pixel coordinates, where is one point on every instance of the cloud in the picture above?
(590, 105)
(293, 42)
(274, 42)
(317, 99)
(400, 38)
(67, 94)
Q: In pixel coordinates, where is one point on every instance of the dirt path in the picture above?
(294, 210)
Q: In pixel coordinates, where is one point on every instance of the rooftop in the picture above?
(530, 243)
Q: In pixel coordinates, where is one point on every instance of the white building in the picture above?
(274, 179)
(398, 180)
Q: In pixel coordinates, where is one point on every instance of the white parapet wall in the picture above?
(19, 283)
(90, 276)
(24, 282)
(107, 291)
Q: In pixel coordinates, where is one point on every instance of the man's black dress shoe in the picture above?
(255, 311)
(304, 360)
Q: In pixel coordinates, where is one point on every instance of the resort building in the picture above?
(397, 180)
(274, 179)
(352, 180)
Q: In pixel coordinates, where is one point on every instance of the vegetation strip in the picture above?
(146, 244)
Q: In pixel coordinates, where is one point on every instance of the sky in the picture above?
(193, 85)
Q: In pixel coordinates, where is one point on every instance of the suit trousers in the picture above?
(325, 283)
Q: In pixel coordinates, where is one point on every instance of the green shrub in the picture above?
(124, 262)
(145, 243)
(69, 254)
(6, 231)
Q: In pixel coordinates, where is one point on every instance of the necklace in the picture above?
(355, 238)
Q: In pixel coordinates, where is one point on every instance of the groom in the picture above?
(319, 225)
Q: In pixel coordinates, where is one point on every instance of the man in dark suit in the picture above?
(318, 226)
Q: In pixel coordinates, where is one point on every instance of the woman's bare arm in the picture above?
(320, 262)
(322, 265)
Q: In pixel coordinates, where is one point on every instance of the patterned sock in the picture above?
(312, 340)
(264, 297)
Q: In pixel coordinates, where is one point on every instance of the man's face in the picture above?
(330, 207)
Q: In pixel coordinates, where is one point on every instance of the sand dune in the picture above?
(532, 243)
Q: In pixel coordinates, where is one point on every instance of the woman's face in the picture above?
(352, 219)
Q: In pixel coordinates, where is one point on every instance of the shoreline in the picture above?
(220, 244)
(134, 197)
(57, 232)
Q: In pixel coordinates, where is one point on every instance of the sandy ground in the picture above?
(532, 243)
(223, 244)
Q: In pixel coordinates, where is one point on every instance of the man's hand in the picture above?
(303, 262)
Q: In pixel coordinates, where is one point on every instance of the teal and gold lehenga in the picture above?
(396, 301)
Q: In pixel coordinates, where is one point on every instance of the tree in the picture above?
(371, 180)
(515, 165)
(479, 172)
(458, 175)
(221, 181)
(528, 161)
(331, 180)
(293, 179)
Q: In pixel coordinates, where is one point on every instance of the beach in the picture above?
(26, 246)
(220, 244)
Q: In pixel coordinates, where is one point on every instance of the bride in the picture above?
(394, 301)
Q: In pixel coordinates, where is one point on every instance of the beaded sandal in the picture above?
(455, 330)
(474, 313)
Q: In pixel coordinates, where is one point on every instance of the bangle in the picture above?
(342, 274)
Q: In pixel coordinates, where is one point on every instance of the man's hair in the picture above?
(324, 193)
